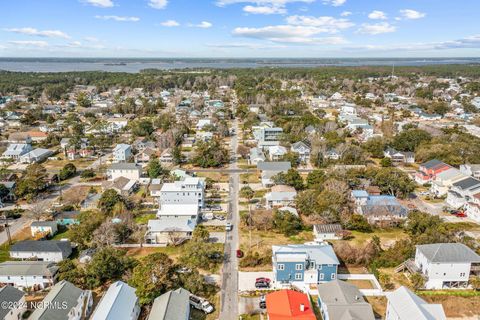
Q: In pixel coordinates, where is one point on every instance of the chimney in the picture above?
(302, 307)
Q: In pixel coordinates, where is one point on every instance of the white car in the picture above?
(228, 226)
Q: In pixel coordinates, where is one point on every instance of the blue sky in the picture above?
(240, 28)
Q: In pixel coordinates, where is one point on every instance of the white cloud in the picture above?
(119, 18)
(203, 25)
(281, 3)
(265, 9)
(335, 3)
(325, 23)
(170, 23)
(288, 34)
(100, 3)
(346, 13)
(254, 46)
(377, 15)
(40, 33)
(158, 4)
(411, 14)
(377, 28)
(91, 39)
(22, 43)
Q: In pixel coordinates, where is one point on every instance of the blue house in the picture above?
(310, 264)
(67, 218)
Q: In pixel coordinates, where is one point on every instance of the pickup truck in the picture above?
(201, 304)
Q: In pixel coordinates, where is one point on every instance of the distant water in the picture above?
(136, 65)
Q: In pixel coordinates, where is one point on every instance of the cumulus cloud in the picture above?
(265, 9)
(203, 25)
(270, 3)
(377, 28)
(335, 3)
(324, 23)
(26, 43)
(288, 34)
(170, 23)
(158, 4)
(91, 39)
(346, 13)
(119, 18)
(100, 3)
(409, 14)
(40, 33)
(377, 15)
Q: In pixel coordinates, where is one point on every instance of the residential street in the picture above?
(229, 295)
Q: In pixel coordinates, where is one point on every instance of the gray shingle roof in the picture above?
(173, 305)
(328, 228)
(448, 253)
(124, 166)
(9, 294)
(274, 166)
(28, 268)
(43, 246)
(52, 224)
(344, 301)
(63, 292)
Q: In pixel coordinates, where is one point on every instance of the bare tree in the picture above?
(38, 210)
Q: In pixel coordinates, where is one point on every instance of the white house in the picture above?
(323, 232)
(170, 230)
(119, 302)
(75, 303)
(15, 303)
(399, 156)
(303, 150)
(188, 191)
(116, 124)
(403, 304)
(36, 155)
(472, 207)
(47, 250)
(130, 171)
(179, 210)
(276, 152)
(444, 181)
(280, 196)
(471, 170)
(267, 136)
(446, 265)
(122, 152)
(462, 192)
(28, 274)
(203, 123)
(16, 150)
(256, 156)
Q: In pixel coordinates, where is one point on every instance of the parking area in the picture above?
(246, 280)
(217, 237)
(249, 305)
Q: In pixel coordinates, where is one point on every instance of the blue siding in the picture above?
(327, 272)
(289, 272)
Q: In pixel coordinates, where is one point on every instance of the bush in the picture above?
(359, 223)
(254, 259)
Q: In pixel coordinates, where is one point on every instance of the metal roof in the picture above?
(172, 305)
(408, 305)
(117, 303)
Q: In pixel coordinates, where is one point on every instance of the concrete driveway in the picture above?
(217, 237)
(246, 280)
(249, 305)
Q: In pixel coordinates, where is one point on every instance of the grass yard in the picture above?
(63, 234)
(215, 176)
(361, 284)
(387, 236)
(454, 305)
(138, 253)
(58, 164)
(4, 254)
(379, 305)
(143, 218)
(249, 178)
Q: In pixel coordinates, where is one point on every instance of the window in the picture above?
(298, 276)
(281, 266)
(299, 266)
(321, 276)
(312, 264)
(333, 276)
(462, 274)
(320, 267)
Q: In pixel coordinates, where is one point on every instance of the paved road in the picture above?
(229, 294)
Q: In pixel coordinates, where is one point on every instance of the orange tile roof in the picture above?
(285, 305)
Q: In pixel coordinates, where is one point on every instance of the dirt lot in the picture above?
(362, 284)
(379, 305)
(456, 306)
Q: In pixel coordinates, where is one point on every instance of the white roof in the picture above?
(410, 306)
(171, 224)
(178, 210)
(121, 146)
(117, 303)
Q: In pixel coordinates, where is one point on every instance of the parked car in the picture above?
(228, 226)
(262, 285)
(262, 304)
(460, 214)
(263, 279)
(201, 304)
(239, 253)
(218, 217)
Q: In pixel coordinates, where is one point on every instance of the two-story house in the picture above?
(444, 180)
(122, 152)
(280, 196)
(309, 264)
(130, 171)
(403, 304)
(303, 150)
(36, 275)
(14, 303)
(74, 303)
(47, 250)
(267, 136)
(462, 192)
(399, 156)
(471, 170)
(446, 265)
(428, 171)
(188, 191)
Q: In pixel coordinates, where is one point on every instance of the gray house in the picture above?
(172, 305)
(15, 300)
(270, 169)
(339, 300)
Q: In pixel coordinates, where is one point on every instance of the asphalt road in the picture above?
(229, 294)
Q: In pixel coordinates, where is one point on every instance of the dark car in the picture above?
(263, 279)
(261, 285)
(239, 253)
(262, 304)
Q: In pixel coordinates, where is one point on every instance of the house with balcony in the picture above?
(444, 265)
(75, 303)
(267, 136)
(122, 152)
(429, 170)
(462, 192)
(472, 207)
(188, 191)
(470, 170)
(303, 150)
(16, 150)
(399, 156)
(130, 171)
(308, 264)
(382, 210)
(35, 275)
(276, 153)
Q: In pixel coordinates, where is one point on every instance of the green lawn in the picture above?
(143, 219)
(4, 254)
(62, 234)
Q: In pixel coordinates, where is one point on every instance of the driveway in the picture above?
(249, 305)
(246, 280)
(217, 237)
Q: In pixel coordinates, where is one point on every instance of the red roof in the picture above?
(286, 305)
